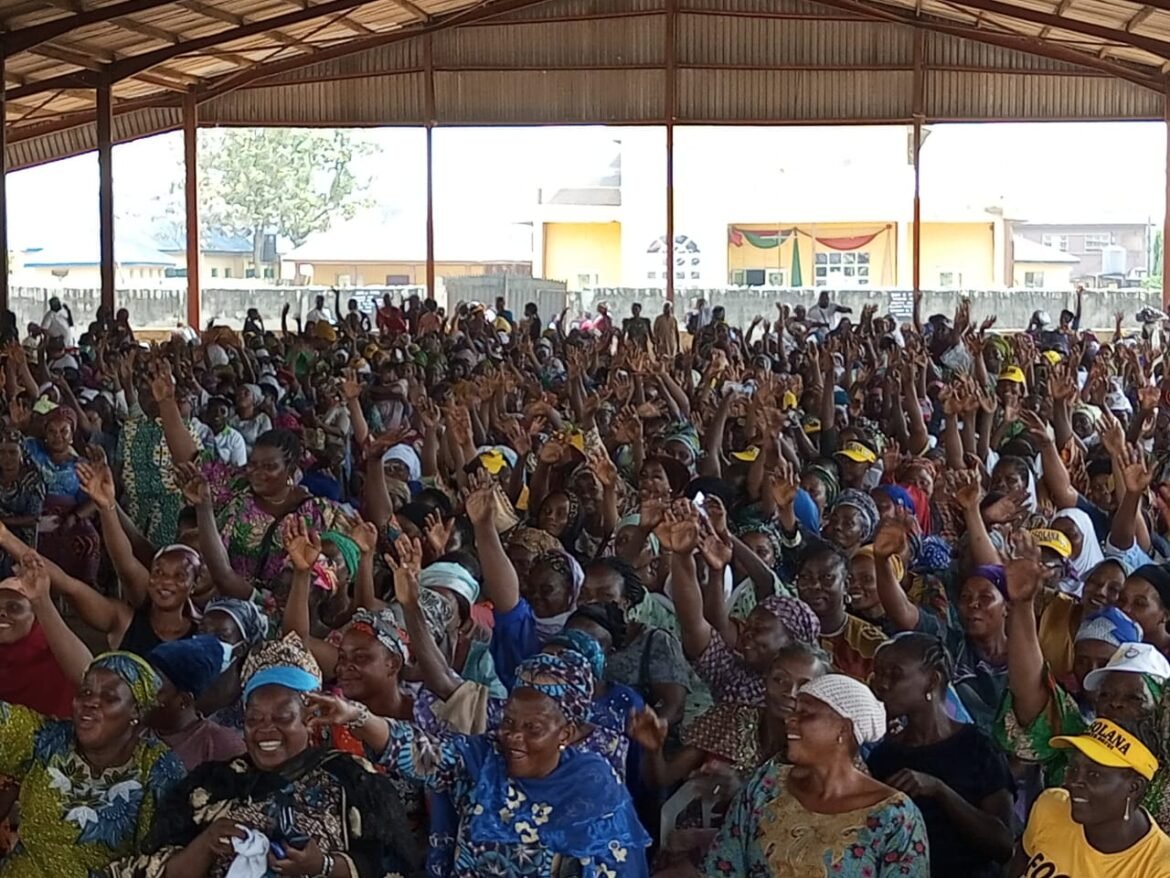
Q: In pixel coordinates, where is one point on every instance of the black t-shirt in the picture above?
(969, 763)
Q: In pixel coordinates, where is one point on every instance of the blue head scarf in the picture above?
(566, 678)
(579, 641)
(136, 673)
(898, 495)
(191, 664)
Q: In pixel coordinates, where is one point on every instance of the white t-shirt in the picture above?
(56, 325)
(818, 316)
(317, 315)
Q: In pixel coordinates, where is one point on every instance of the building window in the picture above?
(1057, 242)
(176, 272)
(950, 280)
(215, 272)
(397, 280)
(1034, 280)
(1098, 241)
(268, 274)
(844, 270)
(227, 272)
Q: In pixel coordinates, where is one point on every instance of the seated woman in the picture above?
(298, 809)
(22, 492)
(523, 795)
(91, 784)
(1095, 824)
(954, 772)
(187, 668)
(823, 817)
(242, 627)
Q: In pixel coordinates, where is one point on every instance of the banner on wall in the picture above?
(768, 239)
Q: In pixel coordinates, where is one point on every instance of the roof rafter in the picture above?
(26, 37)
(1157, 47)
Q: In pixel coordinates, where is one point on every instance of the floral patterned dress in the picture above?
(767, 833)
(252, 542)
(74, 822)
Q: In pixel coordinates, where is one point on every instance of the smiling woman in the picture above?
(299, 809)
(91, 783)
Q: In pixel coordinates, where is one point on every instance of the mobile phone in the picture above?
(701, 500)
(278, 850)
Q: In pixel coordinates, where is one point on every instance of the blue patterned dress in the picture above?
(767, 833)
(511, 828)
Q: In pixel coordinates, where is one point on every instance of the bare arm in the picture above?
(500, 583)
(1030, 695)
(72, 655)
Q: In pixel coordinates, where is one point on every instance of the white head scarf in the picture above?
(408, 456)
(1090, 555)
(852, 700)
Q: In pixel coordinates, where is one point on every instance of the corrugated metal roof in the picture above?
(365, 62)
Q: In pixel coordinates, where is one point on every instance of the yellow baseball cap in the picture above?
(1013, 374)
(1053, 539)
(812, 425)
(493, 461)
(1107, 743)
(748, 454)
(1053, 357)
(789, 400)
(857, 452)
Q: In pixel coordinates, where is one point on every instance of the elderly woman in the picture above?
(1095, 823)
(285, 806)
(91, 784)
(823, 817)
(852, 520)
(528, 802)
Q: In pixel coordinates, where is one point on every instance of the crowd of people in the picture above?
(468, 594)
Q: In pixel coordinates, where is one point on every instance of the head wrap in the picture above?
(652, 541)
(61, 413)
(1110, 626)
(827, 473)
(255, 393)
(408, 457)
(685, 434)
(899, 496)
(587, 646)
(566, 678)
(1082, 563)
(802, 623)
(437, 612)
(993, 573)
(895, 561)
(135, 672)
(350, 553)
(382, 625)
(451, 576)
(864, 504)
(192, 555)
(283, 662)
(398, 490)
(564, 563)
(252, 623)
(191, 664)
(854, 701)
(931, 554)
(1158, 577)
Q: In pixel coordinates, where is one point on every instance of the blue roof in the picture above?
(84, 250)
(213, 241)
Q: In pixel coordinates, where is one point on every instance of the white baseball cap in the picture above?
(1131, 658)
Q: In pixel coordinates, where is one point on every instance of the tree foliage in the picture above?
(291, 182)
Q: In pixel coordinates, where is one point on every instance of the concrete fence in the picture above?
(1012, 308)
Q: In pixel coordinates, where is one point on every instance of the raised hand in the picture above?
(162, 381)
(480, 504)
(192, 484)
(717, 516)
(647, 728)
(98, 482)
(603, 467)
(1135, 472)
(438, 532)
(302, 545)
(679, 531)
(1009, 509)
(365, 534)
(350, 387)
(406, 569)
(1024, 570)
(329, 710)
(892, 538)
(34, 577)
(783, 485)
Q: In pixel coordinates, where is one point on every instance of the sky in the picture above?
(1072, 172)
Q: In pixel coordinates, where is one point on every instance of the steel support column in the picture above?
(1166, 217)
(191, 163)
(3, 198)
(105, 150)
(671, 112)
(430, 122)
(918, 101)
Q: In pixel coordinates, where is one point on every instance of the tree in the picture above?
(291, 182)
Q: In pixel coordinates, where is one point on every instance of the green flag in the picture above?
(797, 277)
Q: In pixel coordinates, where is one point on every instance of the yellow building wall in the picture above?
(966, 249)
(1056, 274)
(879, 256)
(591, 249)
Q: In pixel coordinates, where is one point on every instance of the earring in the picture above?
(930, 696)
(1127, 808)
(848, 599)
(561, 747)
(840, 739)
(134, 721)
